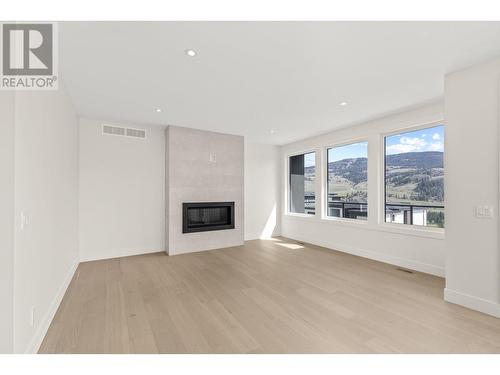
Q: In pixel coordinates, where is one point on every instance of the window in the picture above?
(414, 177)
(302, 170)
(347, 181)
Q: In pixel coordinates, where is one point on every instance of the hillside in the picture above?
(413, 177)
(419, 160)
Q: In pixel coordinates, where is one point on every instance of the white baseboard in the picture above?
(188, 251)
(259, 237)
(384, 258)
(117, 254)
(471, 302)
(251, 237)
(45, 322)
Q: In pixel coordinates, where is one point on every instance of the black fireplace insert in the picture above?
(207, 216)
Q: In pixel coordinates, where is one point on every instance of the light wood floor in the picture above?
(263, 297)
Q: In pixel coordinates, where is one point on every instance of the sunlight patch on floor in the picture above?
(292, 246)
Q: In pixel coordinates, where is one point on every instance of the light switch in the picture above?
(32, 316)
(213, 158)
(25, 219)
(484, 212)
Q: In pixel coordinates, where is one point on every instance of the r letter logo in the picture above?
(28, 56)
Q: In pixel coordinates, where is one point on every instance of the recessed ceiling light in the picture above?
(158, 110)
(272, 131)
(191, 52)
(342, 104)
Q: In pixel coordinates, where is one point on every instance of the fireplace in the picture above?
(203, 216)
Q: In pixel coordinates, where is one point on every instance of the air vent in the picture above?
(113, 130)
(138, 133)
(124, 132)
(404, 270)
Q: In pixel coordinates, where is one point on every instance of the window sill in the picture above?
(401, 229)
(345, 221)
(412, 230)
(300, 216)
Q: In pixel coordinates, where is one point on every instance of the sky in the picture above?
(309, 159)
(430, 139)
(354, 150)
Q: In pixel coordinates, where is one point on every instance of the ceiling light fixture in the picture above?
(191, 52)
(272, 131)
(158, 110)
(342, 104)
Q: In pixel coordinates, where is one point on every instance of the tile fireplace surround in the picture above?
(202, 167)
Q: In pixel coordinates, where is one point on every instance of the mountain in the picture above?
(415, 177)
(410, 177)
(419, 160)
(353, 169)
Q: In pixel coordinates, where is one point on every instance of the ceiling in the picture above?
(259, 78)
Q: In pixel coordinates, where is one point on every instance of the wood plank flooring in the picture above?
(264, 297)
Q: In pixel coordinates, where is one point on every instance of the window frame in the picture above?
(348, 142)
(288, 187)
(400, 227)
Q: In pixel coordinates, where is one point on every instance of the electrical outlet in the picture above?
(32, 317)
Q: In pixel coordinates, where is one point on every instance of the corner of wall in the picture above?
(472, 302)
(45, 322)
(46, 179)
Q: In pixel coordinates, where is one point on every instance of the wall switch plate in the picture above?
(484, 212)
(213, 158)
(25, 219)
(32, 317)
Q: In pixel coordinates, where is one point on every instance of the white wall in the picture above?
(46, 186)
(121, 192)
(472, 171)
(419, 249)
(6, 220)
(262, 190)
(194, 177)
(113, 170)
